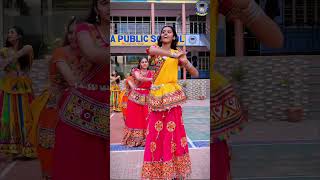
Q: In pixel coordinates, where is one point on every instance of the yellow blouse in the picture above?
(15, 82)
(167, 93)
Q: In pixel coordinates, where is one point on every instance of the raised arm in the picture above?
(189, 67)
(139, 77)
(157, 51)
(131, 83)
(66, 72)
(250, 13)
(60, 61)
(88, 47)
(25, 50)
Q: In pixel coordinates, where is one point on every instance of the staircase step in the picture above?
(314, 115)
(313, 70)
(314, 79)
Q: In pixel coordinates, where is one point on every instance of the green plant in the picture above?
(184, 84)
(50, 44)
(238, 74)
(285, 82)
(294, 111)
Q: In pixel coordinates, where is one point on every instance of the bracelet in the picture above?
(234, 11)
(187, 65)
(173, 55)
(252, 12)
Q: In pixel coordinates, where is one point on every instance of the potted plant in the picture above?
(238, 75)
(49, 45)
(294, 112)
(184, 85)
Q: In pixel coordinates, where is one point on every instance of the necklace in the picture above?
(144, 72)
(102, 35)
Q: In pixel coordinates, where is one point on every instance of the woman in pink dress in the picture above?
(166, 154)
(137, 108)
(82, 132)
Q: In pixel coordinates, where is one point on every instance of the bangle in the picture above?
(252, 12)
(173, 55)
(187, 65)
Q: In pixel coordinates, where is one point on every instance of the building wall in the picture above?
(39, 75)
(263, 89)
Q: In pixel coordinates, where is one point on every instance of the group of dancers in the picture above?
(151, 107)
(66, 126)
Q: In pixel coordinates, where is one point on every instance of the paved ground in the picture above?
(21, 170)
(277, 151)
(263, 151)
(133, 162)
(126, 162)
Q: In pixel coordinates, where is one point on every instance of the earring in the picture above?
(97, 19)
(174, 38)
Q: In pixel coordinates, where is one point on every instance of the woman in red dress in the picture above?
(137, 108)
(81, 134)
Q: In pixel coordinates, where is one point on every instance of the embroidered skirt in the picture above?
(114, 98)
(46, 138)
(166, 154)
(136, 120)
(15, 124)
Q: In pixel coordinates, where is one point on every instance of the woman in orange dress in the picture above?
(61, 66)
(129, 85)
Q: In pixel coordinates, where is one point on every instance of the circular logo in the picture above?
(202, 8)
(192, 39)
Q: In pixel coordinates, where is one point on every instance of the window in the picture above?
(162, 21)
(130, 25)
(204, 61)
(139, 25)
(71, 4)
(301, 12)
(197, 25)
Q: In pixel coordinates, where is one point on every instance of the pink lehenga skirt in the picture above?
(166, 152)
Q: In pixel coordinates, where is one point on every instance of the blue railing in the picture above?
(298, 40)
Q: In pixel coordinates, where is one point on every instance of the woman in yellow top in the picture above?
(115, 91)
(166, 154)
(16, 96)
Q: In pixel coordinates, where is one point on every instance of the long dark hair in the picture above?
(70, 23)
(23, 61)
(175, 35)
(139, 67)
(92, 18)
(20, 33)
(115, 75)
